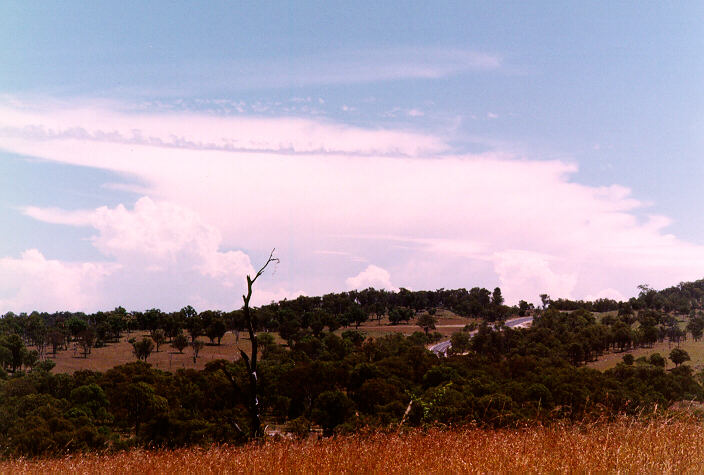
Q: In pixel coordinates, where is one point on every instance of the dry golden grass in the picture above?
(114, 354)
(167, 359)
(625, 446)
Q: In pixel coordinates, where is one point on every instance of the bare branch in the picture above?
(261, 271)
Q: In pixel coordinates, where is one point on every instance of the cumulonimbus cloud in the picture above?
(396, 198)
(372, 276)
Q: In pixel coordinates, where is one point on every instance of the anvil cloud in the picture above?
(345, 207)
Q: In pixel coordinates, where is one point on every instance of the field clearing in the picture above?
(168, 359)
(694, 348)
(447, 324)
(659, 446)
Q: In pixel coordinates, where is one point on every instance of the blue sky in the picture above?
(396, 116)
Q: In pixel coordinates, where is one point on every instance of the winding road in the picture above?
(441, 348)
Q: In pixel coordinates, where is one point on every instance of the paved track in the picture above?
(441, 348)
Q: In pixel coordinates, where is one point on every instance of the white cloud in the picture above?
(525, 275)
(349, 67)
(429, 218)
(372, 276)
(155, 241)
(33, 282)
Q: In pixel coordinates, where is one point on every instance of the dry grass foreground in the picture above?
(626, 446)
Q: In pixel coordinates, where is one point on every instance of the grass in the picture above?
(694, 348)
(113, 354)
(168, 359)
(659, 446)
(447, 324)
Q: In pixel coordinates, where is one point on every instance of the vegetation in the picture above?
(623, 446)
(325, 374)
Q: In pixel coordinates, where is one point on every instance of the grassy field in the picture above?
(694, 348)
(620, 447)
(113, 354)
(448, 323)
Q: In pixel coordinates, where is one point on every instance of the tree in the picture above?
(216, 329)
(194, 325)
(17, 350)
(460, 342)
(523, 308)
(400, 314)
(427, 322)
(331, 408)
(545, 300)
(76, 325)
(179, 342)
(143, 348)
(679, 356)
(197, 345)
(159, 337)
(657, 360)
(357, 315)
(251, 362)
(86, 340)
(496, 297)
(56, 339)
(142, 403)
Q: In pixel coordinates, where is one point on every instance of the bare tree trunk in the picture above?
(251, 362)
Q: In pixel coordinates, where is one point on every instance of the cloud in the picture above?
(192, 132)
(155, 249)
(33, 282)
(340, 67)
(372, 276)
(526, 274)
(154, 235)
(400, 199)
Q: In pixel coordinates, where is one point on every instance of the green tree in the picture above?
(459, 342)
(197, 346)
(356, 315)
(496, 297)
(76, 325)
(330, 409)
(17, 350)
(57, 339)
(545, 300)
(216, 329)
(159, 337)
(86, 340)
(143, 348)
(179, 342)
(657, 360)
(194, 325)
(142, 403)
(427, 322)
(400, 314)
(679, 356)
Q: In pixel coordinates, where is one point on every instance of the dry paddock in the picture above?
(659, 446)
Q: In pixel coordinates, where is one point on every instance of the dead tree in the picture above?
(250, 362)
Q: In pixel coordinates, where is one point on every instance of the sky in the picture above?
(153, 154)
